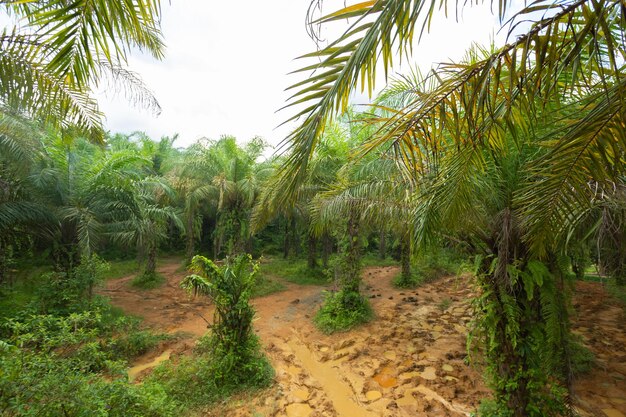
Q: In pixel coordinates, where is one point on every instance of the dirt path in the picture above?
(410, 361)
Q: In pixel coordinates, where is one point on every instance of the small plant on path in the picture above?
(235, 358)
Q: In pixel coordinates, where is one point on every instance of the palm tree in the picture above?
(82, 186)
(21, 216)
(49, 62)
(527, 127)
(234, 177)
(144, 221)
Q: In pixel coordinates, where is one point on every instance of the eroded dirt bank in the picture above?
(409, 361)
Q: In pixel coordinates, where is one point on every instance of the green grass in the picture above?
(374, 260)
(265, 285)
(148, 281)
(122, 268)
(295, 271)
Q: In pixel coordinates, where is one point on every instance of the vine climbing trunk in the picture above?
(190, 238)
(352, 274)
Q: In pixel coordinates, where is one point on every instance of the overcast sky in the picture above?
(226, 65)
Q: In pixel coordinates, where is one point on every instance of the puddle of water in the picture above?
(137, 369)
(386, 378)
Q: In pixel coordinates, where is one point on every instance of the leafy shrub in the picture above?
(70, 291)
(212, 374)
(37, 384)
(342, 310)
(229, 359)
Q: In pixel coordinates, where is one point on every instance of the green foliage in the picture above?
(370, 259)
(266, 285)
(121, 268)
(231, 357)
(210, 375)
(67, 291)
(34, 384)
(342, 310)
(53, 365)
(294, 270)
(526, 340)
(148, 281)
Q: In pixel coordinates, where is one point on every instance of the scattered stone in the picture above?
(406, 401)
(298, 410)
(324, 349)
(301, 394)
(429, 373)
(447, 368)
(405, 376)
(451, 378)
(385, 378)
(373, 395)
(345, 344)
(390, 355)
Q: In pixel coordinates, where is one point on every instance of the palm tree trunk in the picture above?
(295, 241)
(405, 259)
(352, 274)
(382, 245)
(286, 241)
(312, 253)
(151, 261)
(327, 248)
(190, 238)
(3, 262)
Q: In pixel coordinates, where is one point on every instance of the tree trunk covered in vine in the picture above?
(190, 238)
(351, 279)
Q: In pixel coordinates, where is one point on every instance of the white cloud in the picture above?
(226, 66)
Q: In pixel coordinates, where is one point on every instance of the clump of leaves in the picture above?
(342, 310)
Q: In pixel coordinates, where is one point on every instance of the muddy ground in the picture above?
(409, 361)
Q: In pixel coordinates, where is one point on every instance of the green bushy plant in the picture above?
(229, 358)
(39, 384)
(72, 290)
(342, 310)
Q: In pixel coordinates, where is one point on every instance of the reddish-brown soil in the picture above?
(409, 361)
